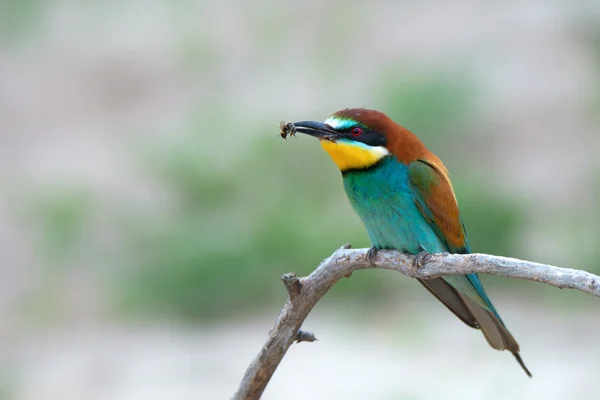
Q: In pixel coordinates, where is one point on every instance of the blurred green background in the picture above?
(150, 208)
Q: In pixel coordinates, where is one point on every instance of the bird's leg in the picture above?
(372, 253)
(420, 260)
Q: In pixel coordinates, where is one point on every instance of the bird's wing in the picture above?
(434, 196)
(462, 294)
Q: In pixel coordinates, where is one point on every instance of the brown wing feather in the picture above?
(431, 178)
(450, 297)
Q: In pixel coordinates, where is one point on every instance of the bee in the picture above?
(287, 128)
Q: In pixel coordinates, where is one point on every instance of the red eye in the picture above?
(357, 131)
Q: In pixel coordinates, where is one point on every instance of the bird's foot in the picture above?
(372, 253)
(420, 260)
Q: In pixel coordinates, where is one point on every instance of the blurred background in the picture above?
(149, 208)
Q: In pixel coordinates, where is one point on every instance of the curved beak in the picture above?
(316, 129)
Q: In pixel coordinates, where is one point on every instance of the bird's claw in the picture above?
(420, 260)
(372, 253)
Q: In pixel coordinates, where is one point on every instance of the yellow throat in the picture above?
(353, 155)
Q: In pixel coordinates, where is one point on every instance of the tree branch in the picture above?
(305, 292)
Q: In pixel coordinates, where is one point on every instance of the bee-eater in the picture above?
(403, 195)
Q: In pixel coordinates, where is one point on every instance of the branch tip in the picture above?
(292, 284)
(305, 336)
(346, 246)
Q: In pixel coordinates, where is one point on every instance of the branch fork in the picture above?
(304, 293)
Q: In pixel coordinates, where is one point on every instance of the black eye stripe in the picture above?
(366, 136)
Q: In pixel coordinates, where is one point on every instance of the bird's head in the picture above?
(357, 138)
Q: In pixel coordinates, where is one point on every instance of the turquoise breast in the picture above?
(383, 199)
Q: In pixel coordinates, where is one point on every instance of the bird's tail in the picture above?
(494, 331)
(474, 314)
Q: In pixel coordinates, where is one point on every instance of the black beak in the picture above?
(316, 129)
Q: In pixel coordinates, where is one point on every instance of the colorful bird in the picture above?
(403, 195)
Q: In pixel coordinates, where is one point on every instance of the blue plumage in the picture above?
(383, 197)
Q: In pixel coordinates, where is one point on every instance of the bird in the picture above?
(402, 193)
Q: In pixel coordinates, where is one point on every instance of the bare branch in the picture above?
(306, 292)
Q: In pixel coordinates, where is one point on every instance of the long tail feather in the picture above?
(495, 332)
(475, 316)
(522, 364)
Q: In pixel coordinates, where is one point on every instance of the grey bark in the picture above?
(305, 292)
